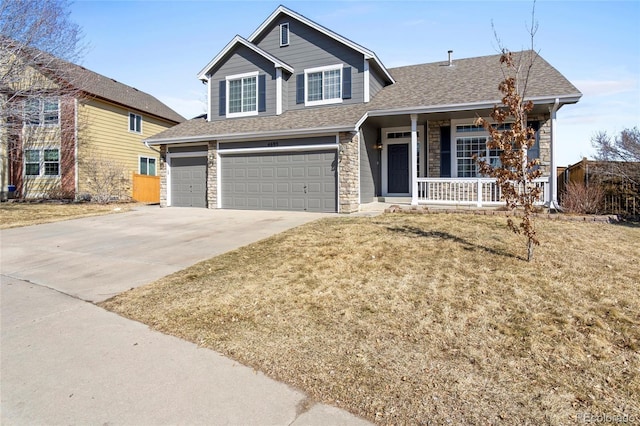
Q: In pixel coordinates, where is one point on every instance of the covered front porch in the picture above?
(428, 159)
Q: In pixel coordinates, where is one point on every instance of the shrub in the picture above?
(583, 199)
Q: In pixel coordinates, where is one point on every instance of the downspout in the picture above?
(75, 148)
(553, 178)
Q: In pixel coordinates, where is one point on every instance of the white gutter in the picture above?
(553, 178)
(467, 106)
(229, 137)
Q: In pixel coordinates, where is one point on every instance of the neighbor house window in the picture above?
(42, 162)
(242, 96)
(42, 112)
(147, 166)
(323, 85)
(135, 123)
(284, 34)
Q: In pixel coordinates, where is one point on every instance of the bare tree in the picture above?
(621, 154)
(515, 174)
(35, 35)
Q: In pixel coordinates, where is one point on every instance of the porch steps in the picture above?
(395, 200)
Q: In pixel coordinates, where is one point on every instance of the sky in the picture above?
(160, 46)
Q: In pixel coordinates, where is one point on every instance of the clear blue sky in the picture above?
(160, 46)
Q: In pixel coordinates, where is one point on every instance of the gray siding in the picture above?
(376, 82)
(369, 165)
(244, 60)
(309, 48)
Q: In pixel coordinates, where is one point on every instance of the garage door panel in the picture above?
(189, 182)
(287, 181)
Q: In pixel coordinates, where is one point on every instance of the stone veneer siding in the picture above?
(433, 147)
(348, 173)
(212, 175)
(163, 176)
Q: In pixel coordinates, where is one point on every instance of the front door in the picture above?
(398, 168)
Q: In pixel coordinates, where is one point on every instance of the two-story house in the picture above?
(301, 118)
(74, 127)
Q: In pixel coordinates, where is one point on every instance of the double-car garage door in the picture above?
(304, 181)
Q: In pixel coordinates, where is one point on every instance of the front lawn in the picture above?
(13, 215)
(410, 319)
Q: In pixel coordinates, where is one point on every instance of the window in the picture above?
(42, 112)
(467, 148)
(284, 34)
(147, 166)
(135, 123)
(323, 85)
(42, 162)
(242, 96)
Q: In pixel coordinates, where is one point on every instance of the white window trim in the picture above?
(454, 143)
(41, 162)
(140, 157)
(129, 122)
(284, 25)
(238, 77)
(306, 85)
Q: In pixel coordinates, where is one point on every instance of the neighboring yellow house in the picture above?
(75, 144)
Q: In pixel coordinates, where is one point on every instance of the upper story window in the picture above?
(42, 162)
(323, 85)
(284, 34)
(135, 123)
(242, 95)
(42, 112)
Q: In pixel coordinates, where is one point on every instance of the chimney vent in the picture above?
(450, 58)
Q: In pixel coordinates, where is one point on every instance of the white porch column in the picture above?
(553, 178)
(414, 159)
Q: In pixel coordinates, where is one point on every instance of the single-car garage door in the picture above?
(305, 181)
(189, 182)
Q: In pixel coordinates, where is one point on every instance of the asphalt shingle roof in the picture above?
(111, 90)
(468, 81)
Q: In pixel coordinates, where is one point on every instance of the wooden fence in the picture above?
(146, 189)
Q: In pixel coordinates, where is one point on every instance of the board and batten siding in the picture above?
(309, 48)
(103, 129)
(244, 60)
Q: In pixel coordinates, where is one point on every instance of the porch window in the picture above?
(467, 148)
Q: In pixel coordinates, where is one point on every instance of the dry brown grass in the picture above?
(13, 215)
(407, 319)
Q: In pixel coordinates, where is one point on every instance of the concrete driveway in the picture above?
(66, 361)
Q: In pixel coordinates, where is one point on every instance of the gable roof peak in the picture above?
(202, 75)
(368, 54)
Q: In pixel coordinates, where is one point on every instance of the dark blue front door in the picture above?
(398, 168)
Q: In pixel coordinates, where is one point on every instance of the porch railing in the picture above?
(469, 191)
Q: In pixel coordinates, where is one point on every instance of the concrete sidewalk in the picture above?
(66, 361)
